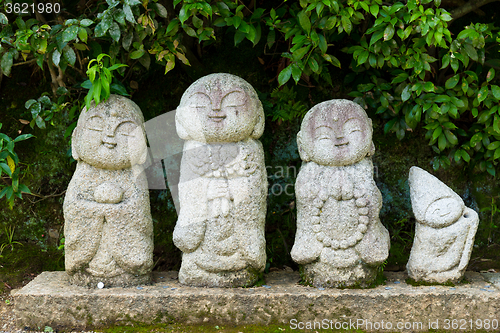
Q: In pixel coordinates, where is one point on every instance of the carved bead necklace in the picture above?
(361, 202)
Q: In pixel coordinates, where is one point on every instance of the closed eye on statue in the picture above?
(234, 99)
(126, 128)
(95, 123)
(323, 132)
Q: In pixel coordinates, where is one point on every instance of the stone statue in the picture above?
(444, 233)
(223, 183)
(340, 240)
(108, 227)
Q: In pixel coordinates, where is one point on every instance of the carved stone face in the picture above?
(443, 212)
(110, 135)
(220, 108)
(335, 133)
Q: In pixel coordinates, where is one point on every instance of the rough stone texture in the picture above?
(445, 230)
(108, 227)
(340, 240)
(50, 300)
(223, 183)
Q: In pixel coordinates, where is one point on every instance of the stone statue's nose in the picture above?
(109, 131)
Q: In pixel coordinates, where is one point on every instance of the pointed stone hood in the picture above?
(426, 189)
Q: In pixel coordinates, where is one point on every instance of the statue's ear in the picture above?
(300, 144)
(143, 154)
(259, 128)
(372, 150)
(181, 131)
(74, 141)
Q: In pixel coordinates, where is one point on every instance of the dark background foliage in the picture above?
(428, 108)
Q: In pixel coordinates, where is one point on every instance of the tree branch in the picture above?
(468, 7)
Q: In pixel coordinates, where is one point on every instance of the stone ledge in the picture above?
(49, 300)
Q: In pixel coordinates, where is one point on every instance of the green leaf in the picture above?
(304, 21)
(285, 75)
(428, 86)
(442, 142)
(82, 35)
(161, 10)
(56, 57)
(331, 59)
(493, 145)
(497, 154)
(102, 27)
(388, 32)
(114, 31)
(346, 24)
(3, 19)
(471, 51)
(296, 72)
(23, 137)
(452, 81)
(86, 22)
(495, 90)
(137, 54)
(363, 57)
(70, 33)
(300, 53)
(128, 14)
(437, 132)
(374, 9)
(483, 93)
(490, 75)
(70, 55)
(376, 36)
(406, 94)
(390, 124)
(465, 155)
(6, 169)
(6, 63)
(451, 137)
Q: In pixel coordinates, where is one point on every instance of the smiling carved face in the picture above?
(110, 136)
(335, 133)
(219, 108)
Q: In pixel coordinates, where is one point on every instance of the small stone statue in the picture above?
(340, 240)
(108, 227)
(445, 230)
(223, 183)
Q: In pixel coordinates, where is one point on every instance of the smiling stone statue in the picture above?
(340, 240)
(223, 183)
(108, 227)
(444, 233)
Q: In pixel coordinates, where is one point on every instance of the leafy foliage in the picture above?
(8, 165)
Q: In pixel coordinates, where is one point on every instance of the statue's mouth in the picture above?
(217, 118)
(341, 145)
(109, 145)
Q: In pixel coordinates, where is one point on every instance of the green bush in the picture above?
(422, 71)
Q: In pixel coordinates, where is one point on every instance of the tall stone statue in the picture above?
(340, 240)
(223, 183)
(445, 230)
(108, 226)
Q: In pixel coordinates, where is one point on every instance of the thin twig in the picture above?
(43, 197)
(24, 62)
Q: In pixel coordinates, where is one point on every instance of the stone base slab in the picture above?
(49, 300)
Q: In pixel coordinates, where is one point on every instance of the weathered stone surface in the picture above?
(50, 300)
(340, 240)
(223, 183)
(108, 227)
(445, 230)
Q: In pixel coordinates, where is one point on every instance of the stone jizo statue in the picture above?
(340, 240)
(444, 233)
(223, 184)
(108, 227)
